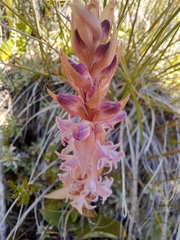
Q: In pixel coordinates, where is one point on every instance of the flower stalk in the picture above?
(87, 157)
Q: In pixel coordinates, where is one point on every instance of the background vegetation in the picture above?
(145, 203)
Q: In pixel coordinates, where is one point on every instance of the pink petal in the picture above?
(77, 74)
(92, 185)
(103, 188)
(72, 104)
(67, 178)
(78, 43)
(105, 54)
(111, 68)
(100, 164)
(80, 68)
(79, 40)
(107, 156)
(105, 29)
(79, 202)
(108, 107)
(96, 99)
(106, 110)
(115, 119)
(66, 128)
(93, 7)
(87, 24)
(65, 125)
(82, 130)
(69, 147)
(106, 76)
(90, 93)
(101, 49)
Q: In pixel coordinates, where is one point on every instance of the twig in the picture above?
(31, 207)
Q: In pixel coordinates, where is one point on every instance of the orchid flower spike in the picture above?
(87, 156)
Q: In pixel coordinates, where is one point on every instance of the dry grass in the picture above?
(146, 193)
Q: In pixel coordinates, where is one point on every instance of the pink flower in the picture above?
(87, 157)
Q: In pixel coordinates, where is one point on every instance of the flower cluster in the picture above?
(87, 156)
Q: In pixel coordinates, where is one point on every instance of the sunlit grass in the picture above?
(146, 182)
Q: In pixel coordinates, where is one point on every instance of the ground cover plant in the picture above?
(144, 203)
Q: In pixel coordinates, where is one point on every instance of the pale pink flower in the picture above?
(87, 157)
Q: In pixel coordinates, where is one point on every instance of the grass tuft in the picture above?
(146, 193)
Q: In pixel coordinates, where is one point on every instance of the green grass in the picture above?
(145, 199)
